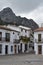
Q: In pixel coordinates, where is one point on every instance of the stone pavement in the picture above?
(21, 59)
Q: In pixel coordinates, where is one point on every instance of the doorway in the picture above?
(21, 47)
(25, 47)
(0, 36)
(40, 49)
(15, 48)
(6, 49)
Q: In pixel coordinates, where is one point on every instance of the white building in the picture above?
(14, 39)
(25, 38)
(9, 40)
(25, 33)
(38, 41)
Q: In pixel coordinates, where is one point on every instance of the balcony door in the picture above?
(6, 49)
(40, 49)
(7, 37)
(0, 36)
(15, 48)
(25, 47)
(21, 47)
(39, 37)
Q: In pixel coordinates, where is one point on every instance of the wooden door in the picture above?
(15, 48)
(40, 49)
(0, 36)
(6, 49)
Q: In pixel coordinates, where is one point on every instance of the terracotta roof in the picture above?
(39, 29)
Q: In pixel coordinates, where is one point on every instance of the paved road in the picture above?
(21, 59)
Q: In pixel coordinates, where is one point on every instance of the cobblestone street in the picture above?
(21, 59)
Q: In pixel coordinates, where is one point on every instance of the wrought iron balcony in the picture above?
(25, 39)
(3, 39)
(39, 41)
(16, 41)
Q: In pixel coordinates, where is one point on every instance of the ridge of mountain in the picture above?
(7, 16)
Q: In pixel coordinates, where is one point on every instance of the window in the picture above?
(0, 36)
(0, 48)
(21, 29)
(11, 48)
(7, 37)
(39, 37)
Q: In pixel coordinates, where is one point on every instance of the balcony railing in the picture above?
(39, 41)
(3, 39)
(16, 41)
(25, 39)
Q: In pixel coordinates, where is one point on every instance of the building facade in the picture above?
(38, 41)
(24, 39)
(14, 40)
(6, 41)
(9, 40)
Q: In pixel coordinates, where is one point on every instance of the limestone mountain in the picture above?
(7, 16)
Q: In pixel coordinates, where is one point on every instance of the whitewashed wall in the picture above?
(9, 48)
(35, 43)
(23, 33)
(36, 35)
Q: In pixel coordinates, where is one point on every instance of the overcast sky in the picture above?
(25, 8)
